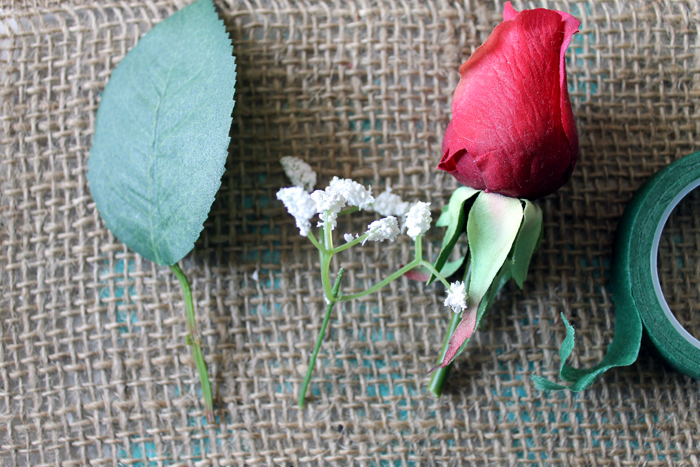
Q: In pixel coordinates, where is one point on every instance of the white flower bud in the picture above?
(300, 205)
(389, 204)
(354, 193)
(383, 229)
(328, 204)
(457, 296)
(418, 219)
(299, 172)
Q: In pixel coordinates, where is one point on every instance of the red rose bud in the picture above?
(512, 130)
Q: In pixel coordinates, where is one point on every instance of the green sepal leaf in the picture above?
(493, 223)
(451, 267)
(162, 134)
(492, 226)
(454, 218)
(486, 303)
(526, 242)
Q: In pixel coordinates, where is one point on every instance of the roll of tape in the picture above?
(636, 286)
(637, 293)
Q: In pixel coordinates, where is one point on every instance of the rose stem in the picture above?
(439, 379)
(312, 363)
(194, 341)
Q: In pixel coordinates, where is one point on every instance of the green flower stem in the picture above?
(326, 318)
(349, 210)
(351, 243)
(327, 232)
(313, 239)
(434, 271)
(379, 285)
(439, 379)
(419, 248)
(195, 342)
(325, 274)
(417, 261)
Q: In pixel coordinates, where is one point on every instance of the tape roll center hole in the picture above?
(678, 262)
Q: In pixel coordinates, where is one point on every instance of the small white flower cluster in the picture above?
(299, 172)
(341, 192)
(457, 296)
(389, 204)
(353, 192)
(418, 219)
(383, 229)
(300, 205)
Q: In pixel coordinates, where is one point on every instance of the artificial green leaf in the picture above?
(494, 221)
(492, 225)
(485, 304)
(454, 218)
(526, 242)
(162, 134)
(445, 217)
(451, 267)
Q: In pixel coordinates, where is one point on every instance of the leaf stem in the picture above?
(324, 325)
(195, 342)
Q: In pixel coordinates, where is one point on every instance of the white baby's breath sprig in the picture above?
(328, 204)
(299, 172)
(390, 204)
(354, 193)
(300, 205)
(349, 237)
(418, 219)
(383, 229)
(457, 297)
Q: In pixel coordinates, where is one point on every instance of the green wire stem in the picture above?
(195, 342)
(326, 318)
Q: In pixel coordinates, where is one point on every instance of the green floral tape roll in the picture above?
(637, 292)
(635, 274)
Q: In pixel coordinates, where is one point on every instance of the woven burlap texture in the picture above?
(94, 367)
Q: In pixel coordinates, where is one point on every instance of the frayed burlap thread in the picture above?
(94, 369)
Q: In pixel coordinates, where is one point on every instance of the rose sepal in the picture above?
(502, 235)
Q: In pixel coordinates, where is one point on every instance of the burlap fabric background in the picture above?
(94, 369)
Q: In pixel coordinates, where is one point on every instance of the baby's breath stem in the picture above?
(379, 285)
(325, 274)
(419, 248)
(313, 240)
(349, 210)
(327, 232)
(324, 325)
(434, 271)
(351, 243)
